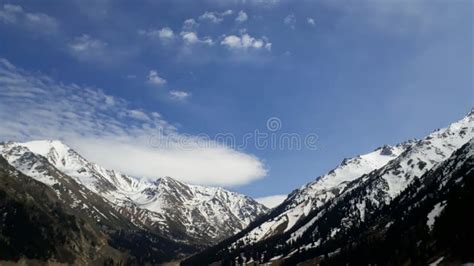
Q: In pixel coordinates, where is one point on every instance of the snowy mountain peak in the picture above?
(167, 182)
(386, 150)
(471, 113)
(386, 171)
(460, 127)
(184, 212)
(313, 195)
(359, 219)
(68, 161)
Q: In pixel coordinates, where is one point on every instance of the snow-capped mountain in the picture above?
(67, 223)
(343, 199)
(79, 198)
(315, 194)
(193, 214)
(428, 223)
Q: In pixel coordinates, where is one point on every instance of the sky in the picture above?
(148, 87)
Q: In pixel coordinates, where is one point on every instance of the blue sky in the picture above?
(359, 74)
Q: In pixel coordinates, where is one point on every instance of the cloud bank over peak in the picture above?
(272, 201)
(106, 130)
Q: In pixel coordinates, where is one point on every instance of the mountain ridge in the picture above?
(40, 226)
(188, 213)
(332, 209)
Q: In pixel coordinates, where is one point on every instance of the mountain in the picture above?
(315, 194)
(336, 203)
(35, 225)
(190, 214)
(39, 225)
(427, 223)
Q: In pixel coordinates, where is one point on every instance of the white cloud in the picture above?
(10, 13)
(179, 95)
(192, 38)
(227, 13)
(106, 130)
(211, 16)
(241, 17)
(155, 79)
(41, 20)
(86, 43)
(165, 34)
(215, 17)
(290, 20)
(245, 41)
(271, 201)
(36, 22)
(190, 24)
(85, 47)
(13, 8)
(311, 21)
(139, 115)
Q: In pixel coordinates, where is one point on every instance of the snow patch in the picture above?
(436, 262)
(438, 208)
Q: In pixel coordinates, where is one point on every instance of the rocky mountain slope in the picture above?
(190, 214)
(342, 200)
(39, 226)
(427, 223)
(315, 194)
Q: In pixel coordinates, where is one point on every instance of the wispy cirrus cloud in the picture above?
(85, 47)
(164, 34)
(105, 129)
(86, 43)
(35, 22)
(90, 48)
(215, 17)
(179, 95)
(290, 20)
